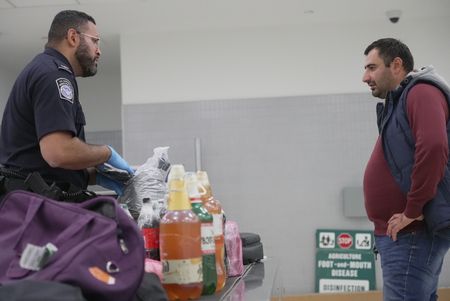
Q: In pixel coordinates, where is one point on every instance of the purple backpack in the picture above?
(94, 245)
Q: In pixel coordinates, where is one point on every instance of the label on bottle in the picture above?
(151, 238)
(182, 271)
(218, 224)
(208, 243)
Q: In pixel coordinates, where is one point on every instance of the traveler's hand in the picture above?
(118, 162)
(109, 183)
(397, 222)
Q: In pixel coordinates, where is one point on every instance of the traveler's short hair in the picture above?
(389, 49)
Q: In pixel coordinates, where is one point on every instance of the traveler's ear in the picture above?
(397, 65)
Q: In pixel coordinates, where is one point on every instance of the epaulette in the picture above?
(64, 67)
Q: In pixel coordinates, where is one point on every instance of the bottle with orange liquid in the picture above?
(180, 245)
(214, 207)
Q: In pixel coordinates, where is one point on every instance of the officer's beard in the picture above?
(87, 63)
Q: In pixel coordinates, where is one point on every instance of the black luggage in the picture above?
(252, 248)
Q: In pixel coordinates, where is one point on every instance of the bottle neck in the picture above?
(196, 201)
(178, 197)
(207, 192)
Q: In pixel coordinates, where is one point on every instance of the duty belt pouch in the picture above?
(11, 180)
(252, 248)
(93, 245)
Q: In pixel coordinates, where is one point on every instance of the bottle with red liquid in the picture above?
(207, 235)
(214, 207)
(180, 244)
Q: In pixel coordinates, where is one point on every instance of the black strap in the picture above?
(14, 180)
(36, 183)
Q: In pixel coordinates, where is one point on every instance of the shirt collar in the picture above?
(55, 53)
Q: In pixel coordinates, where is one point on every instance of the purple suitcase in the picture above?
(99, 247)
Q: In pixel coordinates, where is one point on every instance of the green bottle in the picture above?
(207, 235)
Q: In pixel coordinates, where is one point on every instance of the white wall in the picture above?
(247, 63)
(101, 98)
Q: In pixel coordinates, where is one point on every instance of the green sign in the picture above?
(344, 261)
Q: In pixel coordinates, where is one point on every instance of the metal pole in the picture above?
(198, 154)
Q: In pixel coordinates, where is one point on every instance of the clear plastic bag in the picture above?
(149, 181)
(233, 245)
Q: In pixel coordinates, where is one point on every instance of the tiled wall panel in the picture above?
(113, 138)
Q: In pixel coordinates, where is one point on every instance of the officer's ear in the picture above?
(72, 37)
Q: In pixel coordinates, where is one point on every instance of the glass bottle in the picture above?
(214, 207)
(180, 245)
(207, 235)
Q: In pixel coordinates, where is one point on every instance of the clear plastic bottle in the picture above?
(214, 207)
(148, 222)
(180, 244)
(207, 235)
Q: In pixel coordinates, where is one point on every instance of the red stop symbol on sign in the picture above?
(345, 240)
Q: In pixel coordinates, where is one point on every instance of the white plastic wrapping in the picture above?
(149, 181)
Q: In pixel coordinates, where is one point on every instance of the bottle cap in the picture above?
(176, 172)
(190, 179)
(202, 177)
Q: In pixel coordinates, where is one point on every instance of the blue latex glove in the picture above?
(118, 162)
(106, 182)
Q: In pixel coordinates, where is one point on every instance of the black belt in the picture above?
(13, 180)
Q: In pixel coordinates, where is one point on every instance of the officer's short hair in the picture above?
(389, 49)
(65, 20)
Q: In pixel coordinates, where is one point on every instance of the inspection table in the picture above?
(259, 282)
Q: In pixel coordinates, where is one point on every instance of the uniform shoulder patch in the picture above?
(65, 89)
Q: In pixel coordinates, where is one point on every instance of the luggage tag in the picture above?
(35, 258)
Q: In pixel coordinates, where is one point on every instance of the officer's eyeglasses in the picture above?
(94, 40)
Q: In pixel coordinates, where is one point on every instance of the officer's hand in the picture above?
(109, 183)
(118, 162)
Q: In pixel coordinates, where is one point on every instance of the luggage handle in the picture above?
(74, 228)
(107, 208)
(33, 207)
(95, 205)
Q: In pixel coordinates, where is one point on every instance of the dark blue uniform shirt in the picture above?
(44, 99)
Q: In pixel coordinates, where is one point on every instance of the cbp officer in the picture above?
(43, 123)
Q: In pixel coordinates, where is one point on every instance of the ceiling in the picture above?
(24, 23)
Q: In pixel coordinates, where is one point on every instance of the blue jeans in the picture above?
(411, 265)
